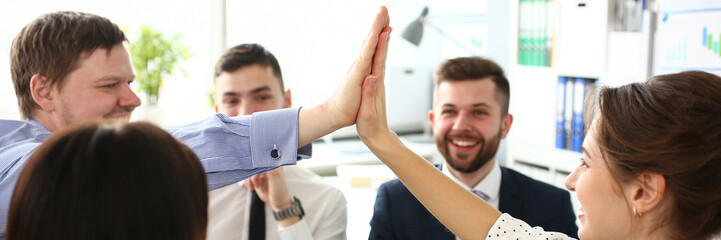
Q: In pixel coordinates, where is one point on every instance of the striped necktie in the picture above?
(480, 194)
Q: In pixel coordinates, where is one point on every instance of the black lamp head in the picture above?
(414, 31)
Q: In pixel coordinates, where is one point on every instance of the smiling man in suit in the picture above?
(470, 117)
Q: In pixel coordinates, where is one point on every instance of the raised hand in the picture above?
(345, 101)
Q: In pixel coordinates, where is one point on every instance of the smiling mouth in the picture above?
(124, 118)
(464, 143)
(581, 213)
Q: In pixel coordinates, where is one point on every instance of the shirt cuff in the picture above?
(297, 231)
(274, 138)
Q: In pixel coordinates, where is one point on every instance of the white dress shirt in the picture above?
(490, 185)
(324, 206)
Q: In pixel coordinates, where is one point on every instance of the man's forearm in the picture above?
(315, 122)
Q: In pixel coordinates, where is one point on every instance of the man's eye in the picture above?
(479, 112)
(112, 85)
(448, 111)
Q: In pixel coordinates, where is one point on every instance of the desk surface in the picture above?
(327, 156)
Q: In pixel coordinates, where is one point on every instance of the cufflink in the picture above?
(275, 153)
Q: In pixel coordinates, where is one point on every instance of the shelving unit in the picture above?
(584, 44)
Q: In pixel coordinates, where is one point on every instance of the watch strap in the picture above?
(296, 209)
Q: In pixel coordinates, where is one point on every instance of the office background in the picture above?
(537, 42)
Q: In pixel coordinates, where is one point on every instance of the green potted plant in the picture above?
(154, 58)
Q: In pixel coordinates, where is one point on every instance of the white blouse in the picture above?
(507, 227)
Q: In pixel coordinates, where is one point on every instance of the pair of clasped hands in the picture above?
(359, 100)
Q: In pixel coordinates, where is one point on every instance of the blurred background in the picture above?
(554, 52)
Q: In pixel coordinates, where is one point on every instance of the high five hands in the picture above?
(371, 122)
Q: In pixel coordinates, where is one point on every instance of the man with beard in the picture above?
(470, 117)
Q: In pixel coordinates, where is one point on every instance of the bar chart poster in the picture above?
(689, 39)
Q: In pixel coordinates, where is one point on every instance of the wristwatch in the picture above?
(294, 210)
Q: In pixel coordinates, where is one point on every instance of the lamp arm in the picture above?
(439, 30)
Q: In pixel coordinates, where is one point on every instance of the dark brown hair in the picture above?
(669, 125)
(110, 181)
(52, 45)
(245, 55)
(476, 68)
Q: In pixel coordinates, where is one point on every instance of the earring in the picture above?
(634, 212)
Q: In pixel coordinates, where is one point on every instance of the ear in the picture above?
(41, 91)
(288, 97)
(430, 117)
(507, 121)
(646, 192)
(215, 100)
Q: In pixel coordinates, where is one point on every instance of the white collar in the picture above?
(490, 185)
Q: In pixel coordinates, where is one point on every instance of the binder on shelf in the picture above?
(523, 20)
(579, 94)
(568, 112)
(560, 117)
(542, 10)
(532, 33)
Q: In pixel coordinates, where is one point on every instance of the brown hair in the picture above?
(669, 125)
(52, 45)
(110, 181)
(245, 55)
(476, 68)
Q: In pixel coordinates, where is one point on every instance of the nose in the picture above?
(128, 98)
(570, 182)
(245, 108)
(461, 123)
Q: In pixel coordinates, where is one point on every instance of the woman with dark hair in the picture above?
(110, 181)
(651, 166)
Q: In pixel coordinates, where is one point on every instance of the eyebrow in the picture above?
(113, 78)
(474, 105)
(256, 90)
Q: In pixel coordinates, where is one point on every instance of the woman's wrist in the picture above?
(383, 143)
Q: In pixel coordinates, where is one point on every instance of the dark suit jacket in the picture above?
(399, 215)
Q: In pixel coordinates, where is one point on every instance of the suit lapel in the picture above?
(509, 201)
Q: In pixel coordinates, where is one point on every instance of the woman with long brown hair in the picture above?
(651, 166)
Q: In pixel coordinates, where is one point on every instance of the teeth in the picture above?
(463, 143)
(120, 119)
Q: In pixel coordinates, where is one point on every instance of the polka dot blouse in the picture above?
(507, 227)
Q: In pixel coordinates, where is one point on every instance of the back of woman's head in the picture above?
(110, 181)
(669, 125)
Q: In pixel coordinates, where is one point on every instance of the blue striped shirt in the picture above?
(230, 148)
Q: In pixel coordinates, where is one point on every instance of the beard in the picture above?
(486, 153)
